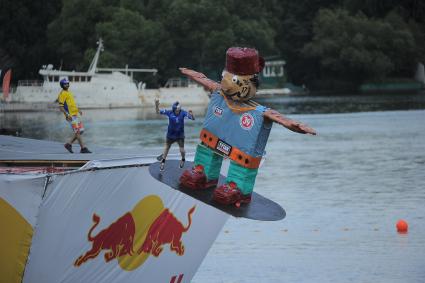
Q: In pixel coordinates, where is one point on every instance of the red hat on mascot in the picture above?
(243, 61)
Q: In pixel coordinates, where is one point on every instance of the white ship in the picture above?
(107, 88)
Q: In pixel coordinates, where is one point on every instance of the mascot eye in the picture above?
(235, 79)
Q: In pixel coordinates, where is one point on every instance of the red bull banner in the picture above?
(20, 199)
(119, 225)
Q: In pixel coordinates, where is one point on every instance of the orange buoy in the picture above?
(402, 226)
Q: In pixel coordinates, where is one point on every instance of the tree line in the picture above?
(327, 44)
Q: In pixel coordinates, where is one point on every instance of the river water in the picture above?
(343, 190)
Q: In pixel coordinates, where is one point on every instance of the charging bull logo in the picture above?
(117, 239)
(146, 229)
(166, 229)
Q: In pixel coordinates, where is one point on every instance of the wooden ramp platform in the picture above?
(17, 151)
(21, 155)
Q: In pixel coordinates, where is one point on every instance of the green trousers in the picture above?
(243, 177)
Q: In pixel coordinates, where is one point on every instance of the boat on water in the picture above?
(274, 82)
(103, 88)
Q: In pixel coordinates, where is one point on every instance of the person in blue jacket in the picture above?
(175, 132)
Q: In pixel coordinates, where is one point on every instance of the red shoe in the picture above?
(194, 179)
(230, 194)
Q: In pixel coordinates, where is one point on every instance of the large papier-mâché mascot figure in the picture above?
(235, 126)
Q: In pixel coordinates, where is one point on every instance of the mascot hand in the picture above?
(300, 128)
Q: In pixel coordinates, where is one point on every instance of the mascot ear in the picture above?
(261, 63)
(255, 80)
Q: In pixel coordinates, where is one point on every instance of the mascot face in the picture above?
(239, 87)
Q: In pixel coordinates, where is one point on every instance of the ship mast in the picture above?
(93, 65)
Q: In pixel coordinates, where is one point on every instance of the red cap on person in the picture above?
(243, 61)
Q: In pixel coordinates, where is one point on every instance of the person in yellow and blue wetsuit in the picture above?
(72, 114)
(175, 132)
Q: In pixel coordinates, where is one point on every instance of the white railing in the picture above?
(30, 83)
(175, 82)
(180, 82)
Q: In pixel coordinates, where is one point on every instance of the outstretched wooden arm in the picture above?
(288, 123)
(201, 79)
(270, 113)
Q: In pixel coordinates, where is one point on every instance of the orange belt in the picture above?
(235, 154)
